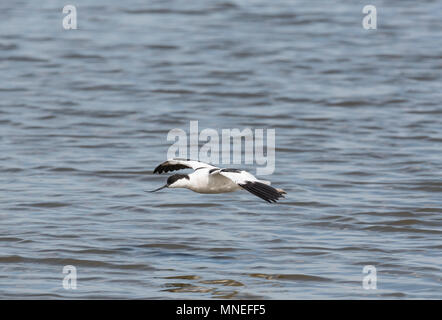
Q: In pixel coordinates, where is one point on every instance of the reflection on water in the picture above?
(84, 117)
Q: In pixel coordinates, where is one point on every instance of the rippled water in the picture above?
(84, 117)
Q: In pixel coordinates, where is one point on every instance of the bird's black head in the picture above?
(172, 179)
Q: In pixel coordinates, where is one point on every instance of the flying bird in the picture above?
(209, 179)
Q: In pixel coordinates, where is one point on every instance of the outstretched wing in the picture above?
(178, 164)
(248, 182)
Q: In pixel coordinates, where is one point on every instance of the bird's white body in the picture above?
(202, 181)
(209, 179)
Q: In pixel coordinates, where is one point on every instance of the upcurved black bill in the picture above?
(159, 188)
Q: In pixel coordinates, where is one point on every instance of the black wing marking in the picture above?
(166, 167)
(231, 170)
(218, 170)
(178, 164)
(263, 191)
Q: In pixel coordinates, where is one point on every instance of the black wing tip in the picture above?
(263, 191)
(166, 167)
(161, 168)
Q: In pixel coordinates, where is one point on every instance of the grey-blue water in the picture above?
(84, 117)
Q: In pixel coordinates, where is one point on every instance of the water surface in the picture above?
(84, 117)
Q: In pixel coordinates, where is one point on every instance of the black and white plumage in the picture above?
(210, 179)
